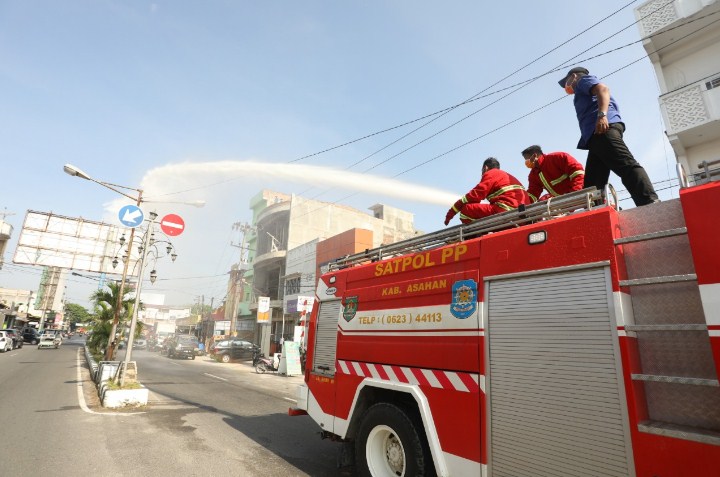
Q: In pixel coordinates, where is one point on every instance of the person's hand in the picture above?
(601, 126)
(450, 214)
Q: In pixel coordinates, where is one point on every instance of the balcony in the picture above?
(692, 113)
(269, 259)
(657, 16)
(5, 230)
(273, 209)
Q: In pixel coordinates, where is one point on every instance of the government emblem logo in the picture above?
(464, 299)
(350, 308)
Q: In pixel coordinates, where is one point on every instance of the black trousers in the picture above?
(608, 152)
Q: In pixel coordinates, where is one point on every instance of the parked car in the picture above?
(31, 335)
(183, 346)
(17, 338)
(232, 350)
(6, 342)
(140, 344)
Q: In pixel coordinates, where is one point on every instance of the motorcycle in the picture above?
(262, 364)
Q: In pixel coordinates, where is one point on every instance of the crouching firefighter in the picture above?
(502, 191)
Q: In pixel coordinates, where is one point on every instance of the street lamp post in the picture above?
(75, 172)
(145, 251)
(138, 290)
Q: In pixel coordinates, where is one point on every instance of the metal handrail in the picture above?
(583, 199)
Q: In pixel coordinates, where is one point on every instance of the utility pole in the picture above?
(236, 274)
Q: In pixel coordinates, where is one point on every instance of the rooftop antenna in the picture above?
(5, 213)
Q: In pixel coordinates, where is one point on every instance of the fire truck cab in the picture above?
(565, 339)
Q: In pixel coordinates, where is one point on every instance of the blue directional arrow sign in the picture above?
(131, 216)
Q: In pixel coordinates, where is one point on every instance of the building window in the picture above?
(292, 286)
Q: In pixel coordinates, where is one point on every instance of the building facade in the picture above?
(282, 260)
(682, 39)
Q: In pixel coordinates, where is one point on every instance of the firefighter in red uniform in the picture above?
(557, 172)
(503, 192)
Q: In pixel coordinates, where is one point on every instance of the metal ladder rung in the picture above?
(675, 380)
(680, 432)
(675, 327)
(655, 280)
(652, 235)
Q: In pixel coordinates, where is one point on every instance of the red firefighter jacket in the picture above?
(556, 172)
(499, 188)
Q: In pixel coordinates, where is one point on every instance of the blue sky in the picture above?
(177, 97)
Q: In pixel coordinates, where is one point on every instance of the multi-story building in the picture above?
(282, 224)
(16, 306)
(682, 39)
(5, 234)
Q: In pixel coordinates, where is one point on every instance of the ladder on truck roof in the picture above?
(557, 206)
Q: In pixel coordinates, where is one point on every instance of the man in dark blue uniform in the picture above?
(601, 134)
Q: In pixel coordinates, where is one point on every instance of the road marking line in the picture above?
(291, 400)
(216, 377)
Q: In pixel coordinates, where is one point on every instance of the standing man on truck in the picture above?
(601, 134)
(556, 172)
(503, 192)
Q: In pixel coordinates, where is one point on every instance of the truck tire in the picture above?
(391, 443)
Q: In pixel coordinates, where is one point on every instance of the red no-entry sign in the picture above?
(172, 224)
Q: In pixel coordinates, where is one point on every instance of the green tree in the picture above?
(201, 310)
(75, 313)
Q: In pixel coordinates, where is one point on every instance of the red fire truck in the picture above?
(565, 339)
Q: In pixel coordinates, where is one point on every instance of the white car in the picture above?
(50, 340)
(6, 342)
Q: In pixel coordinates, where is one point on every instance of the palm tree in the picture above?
(105, 302)
(101, 327)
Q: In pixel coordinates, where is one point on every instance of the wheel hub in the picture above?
(394, 455)
(385, 453)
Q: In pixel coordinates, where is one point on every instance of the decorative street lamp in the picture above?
(149, 247)
(110, 351)
(74, 171)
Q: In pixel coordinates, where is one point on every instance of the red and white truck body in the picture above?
(570, 343)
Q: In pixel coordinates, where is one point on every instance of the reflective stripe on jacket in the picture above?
(497, 187)
(558, 173)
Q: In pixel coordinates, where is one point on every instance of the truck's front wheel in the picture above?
(391, 443)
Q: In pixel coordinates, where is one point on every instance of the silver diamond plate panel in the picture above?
(685, 405)
(652, 218)
(667, 303)
(659, 257)
(676, 353)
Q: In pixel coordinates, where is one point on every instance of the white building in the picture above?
(682, 39)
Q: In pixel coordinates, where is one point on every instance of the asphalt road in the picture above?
(203, 419)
